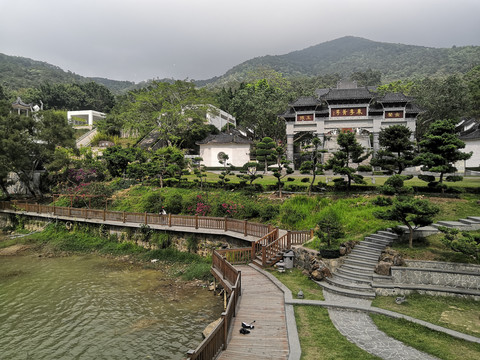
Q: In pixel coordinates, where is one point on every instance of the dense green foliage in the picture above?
(350, 152)
(440, 149)
(411, 212)
(397, 149)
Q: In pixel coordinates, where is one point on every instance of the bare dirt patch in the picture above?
(14, 249)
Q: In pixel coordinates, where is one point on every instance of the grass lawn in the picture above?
(454, 313)
(268, 179)
(294, 280)
(319, 339)
(432, 342)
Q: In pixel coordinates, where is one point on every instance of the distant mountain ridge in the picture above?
(350, 54)
(18, 72)
(342, 56)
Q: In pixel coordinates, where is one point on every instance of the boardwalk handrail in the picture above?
(268, 245)
(216, 341)
(198, 222)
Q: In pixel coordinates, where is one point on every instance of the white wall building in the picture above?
(86, 117)
(235, 146)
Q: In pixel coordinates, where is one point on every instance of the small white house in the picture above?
(233, 144)
(84, 117)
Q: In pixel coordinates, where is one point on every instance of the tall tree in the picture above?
(397, 151)
(350, 152)
(282, 168)
(440, 149)
(256, 107)
(171, 109)
(28, 143)
(313, 165)
(441, 99)
(265, 152)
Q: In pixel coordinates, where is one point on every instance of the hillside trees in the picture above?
(87, 96)
(172, 109)
(442, 98)
(28, 144)
(256, 107)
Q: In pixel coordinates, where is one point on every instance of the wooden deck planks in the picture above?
(263, 302)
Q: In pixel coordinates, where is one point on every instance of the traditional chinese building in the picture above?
(347, 108)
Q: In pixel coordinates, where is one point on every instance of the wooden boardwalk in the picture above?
(263, 302)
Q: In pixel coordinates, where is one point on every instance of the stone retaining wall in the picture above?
(420, 264)
(432, 278)
(437, 277)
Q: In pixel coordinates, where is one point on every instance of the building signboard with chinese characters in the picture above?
(305, 117)
(393, 114)
(354, 111)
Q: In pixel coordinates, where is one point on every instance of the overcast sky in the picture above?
(197, 39)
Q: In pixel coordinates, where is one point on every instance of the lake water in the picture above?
(88, 307)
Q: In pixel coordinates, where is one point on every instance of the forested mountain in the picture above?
(342, 56)
(18, 72)
(350, 54)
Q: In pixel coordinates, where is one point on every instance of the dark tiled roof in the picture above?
(20, 104)
(224, 138)
(348, 94)
(321, 92)
(306, 101)
(393, 98)
(412, 109)
(470, 135)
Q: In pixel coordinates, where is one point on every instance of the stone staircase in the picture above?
(354, 277)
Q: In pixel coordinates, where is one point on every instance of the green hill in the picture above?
(18, 72)
(351, 54)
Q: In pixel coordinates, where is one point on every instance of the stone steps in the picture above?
(346, 284)
(350, 278)
(363, 257)
(354, 275)
(346, 292)
(368, 264)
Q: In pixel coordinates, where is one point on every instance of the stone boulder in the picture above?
(320, 274)
(383, 268)
(347, 247)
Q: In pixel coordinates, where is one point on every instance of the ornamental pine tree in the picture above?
(440, 150)
(350, 152)
(411, 212)
(397, 149)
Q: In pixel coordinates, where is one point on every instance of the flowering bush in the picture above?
(200, 207)
(229, 208)
(79, 176)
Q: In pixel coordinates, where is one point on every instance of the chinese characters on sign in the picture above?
(359, 111)
(393, 114)
(305, 117)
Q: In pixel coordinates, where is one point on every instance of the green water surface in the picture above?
(89, 307)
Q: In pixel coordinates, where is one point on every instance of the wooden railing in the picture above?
(198, 222)
(268, 246)
(216, 341)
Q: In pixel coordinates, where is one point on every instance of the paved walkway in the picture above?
(359, 329)
(263, 302)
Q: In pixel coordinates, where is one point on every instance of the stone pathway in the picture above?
(359, 329)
